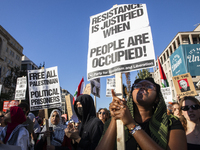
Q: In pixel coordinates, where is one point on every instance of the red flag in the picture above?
(79, 90)
(162, 75)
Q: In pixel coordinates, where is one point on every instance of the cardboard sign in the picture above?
(184, 85)
(120, 40)
(44, 89)
(109, 86)
(95, 87)
(20, 91)
(167, 94)
(87, 89)
(8, 104)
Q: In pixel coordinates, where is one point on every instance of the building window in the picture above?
(5, 59)
(6, 49)
(167, 54)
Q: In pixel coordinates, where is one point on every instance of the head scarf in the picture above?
(58, 130)
(17, 117)
(36, 126)
(158, 123)
(88, 108)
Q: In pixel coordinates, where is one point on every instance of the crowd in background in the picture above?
(148, 121)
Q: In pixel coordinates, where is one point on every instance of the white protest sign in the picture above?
(120, 40)
(95, 87)
(20, 91)
(109, 86)
(167, 94)
(44, 89)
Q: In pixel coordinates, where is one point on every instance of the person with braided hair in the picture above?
(144, 115)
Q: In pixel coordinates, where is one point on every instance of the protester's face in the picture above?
(78, 104)
(7, 118)
(190, 115)
(55, 119)
(102, 114)
(144, 96)
(183, 84)
(1, 117)
(175, 110)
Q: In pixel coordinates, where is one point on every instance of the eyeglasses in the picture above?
(146, 86)
(102, 113)
(194, 107)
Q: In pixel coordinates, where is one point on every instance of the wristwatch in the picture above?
(135, 128)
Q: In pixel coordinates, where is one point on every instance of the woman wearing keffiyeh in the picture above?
(144, 115)
(58, 138)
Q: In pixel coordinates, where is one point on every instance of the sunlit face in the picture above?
(175, 110)
(143, 96)
(1, 117)
(183, 84)
(7, 118)
(102, 115)
(78, 104)
(190, 115)
(55, 119)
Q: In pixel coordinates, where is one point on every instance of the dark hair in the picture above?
(24, 105)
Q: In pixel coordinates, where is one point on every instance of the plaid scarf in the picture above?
(158, 123)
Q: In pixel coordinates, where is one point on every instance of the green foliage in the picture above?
(142, 74)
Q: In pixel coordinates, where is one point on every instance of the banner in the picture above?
(177, 61)
(20, 91)
(167, 94)
(109, 86)
(192, 53)
(44, 89)
(95, 87)
(8, 104)
(185, 59)
(184, 85)
(120, 40)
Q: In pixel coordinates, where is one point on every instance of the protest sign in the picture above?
(109, 86)
(95, 87)
(167, 94)
(120, 40)
(20, 91)
(87, 89)
(44, 89)
(184, 85)
(8, 104)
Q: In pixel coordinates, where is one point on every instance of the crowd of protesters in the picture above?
(148, 123)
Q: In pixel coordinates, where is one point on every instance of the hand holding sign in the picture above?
(119, 110)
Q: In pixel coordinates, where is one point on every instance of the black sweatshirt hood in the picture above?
(88, 108)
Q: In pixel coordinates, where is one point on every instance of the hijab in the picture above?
(159, 122)
(17, 117)
(58, 130)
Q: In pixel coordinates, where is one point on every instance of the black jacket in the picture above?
(91, 128)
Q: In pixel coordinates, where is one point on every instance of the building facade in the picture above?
(181, 38)
(11, 53)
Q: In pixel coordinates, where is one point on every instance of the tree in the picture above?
(142, 74)
(128, 82)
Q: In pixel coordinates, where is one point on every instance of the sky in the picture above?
(57, 32)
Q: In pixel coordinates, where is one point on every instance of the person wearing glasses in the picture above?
(144, 115)
(103, 115)
(190, 110)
